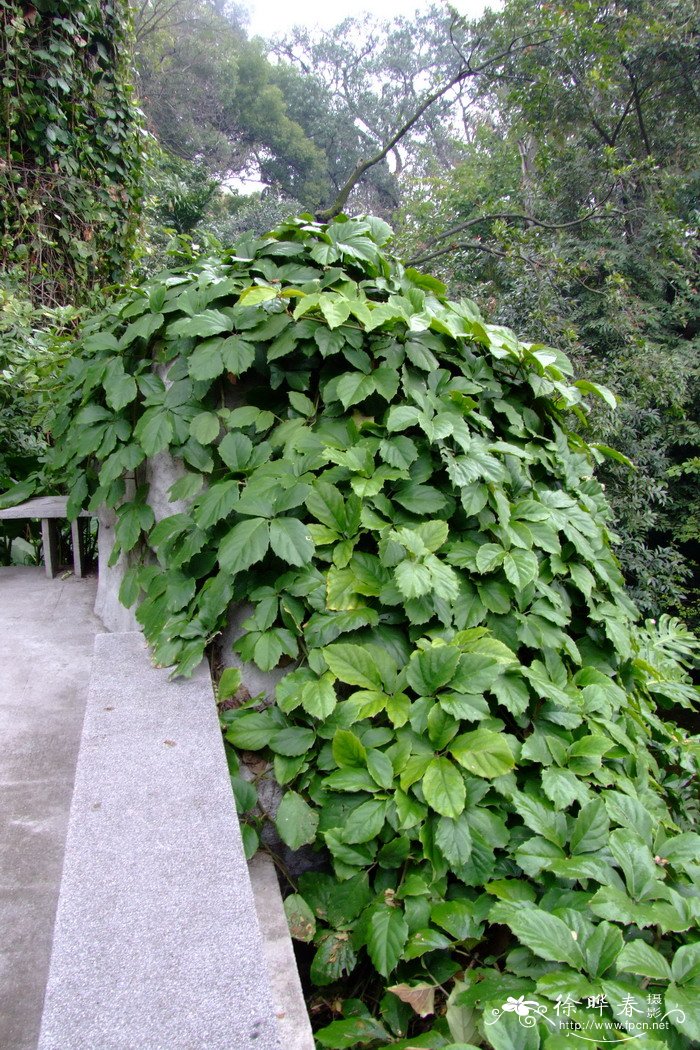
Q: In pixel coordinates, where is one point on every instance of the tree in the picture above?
(209, 96)
(587, 166)
(71, 146)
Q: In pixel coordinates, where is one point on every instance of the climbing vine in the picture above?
(70, 166)
(469, 731)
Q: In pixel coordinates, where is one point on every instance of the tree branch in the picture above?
(363, 166)
(514, 216)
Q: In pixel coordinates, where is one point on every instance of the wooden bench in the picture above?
(50, 510)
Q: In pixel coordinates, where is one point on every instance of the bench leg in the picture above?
(77, 533)
(49, 540)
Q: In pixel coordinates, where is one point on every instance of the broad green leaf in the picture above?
(386, 938)
(489, 556)
(351, 1032)
(484, 753)
(296, 821)
(236, 450)
(348, 749)
(456, 917)
(636, 861)
(431, 669)
(591, 829)
(216, 503)
(290, 540)
(206, 362)
(237, 355)
(154, 431)
(205, 427)
(365, 822)
(300, 919)
(683, 1008)
(543, 933)
(252, 731)
(443, 787)
(292, 741)
(206, 323)
(686, 964)
(318, 697)
(521, 568)
(640, 958)
(334, 957)
(353, 664)
(245, 544)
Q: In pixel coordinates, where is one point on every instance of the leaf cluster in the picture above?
(468, 726)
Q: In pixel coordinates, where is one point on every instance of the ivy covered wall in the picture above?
(72, 143)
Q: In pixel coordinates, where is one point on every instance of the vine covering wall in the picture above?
(72, 144)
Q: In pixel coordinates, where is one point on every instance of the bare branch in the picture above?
(364, 166)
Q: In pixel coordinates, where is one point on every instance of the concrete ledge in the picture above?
(156, 943)
(290, 1008)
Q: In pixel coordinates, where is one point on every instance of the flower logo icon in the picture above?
(520, 1006)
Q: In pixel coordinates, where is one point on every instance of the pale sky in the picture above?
(269, 17)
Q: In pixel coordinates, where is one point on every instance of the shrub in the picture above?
(470, 729)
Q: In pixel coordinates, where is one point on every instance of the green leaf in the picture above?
(387, 935)
(229, 683)
(205, 362)
(335, 957)
(591, 829)
(365, 822)
(207, 323)
(456, 917)
(296, 821)
(318, 697)
(154, 431)
(686, 964)
(351, 1032)
(543, 933)
(353, 664)
(237, 355)
(521, 568)
(300, 919)
(292, 741)
(205, 427)
(454, 839)
(483, 752)
(431, 669)
(348, 750)
(216, 503)
(244, 545)
(683, 1007)
(236, 450)
(443, 787)
(252, 731)
(290, 540)
(420, 499)
(640, 958)
(120, 389)
(489, 556)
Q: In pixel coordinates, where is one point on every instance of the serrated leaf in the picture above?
(154, 431)
(431, 669)
(484, 753)
(318, 697)
(365, 822)
(353, 664)
(443, 787)
(216, 503)
(205, 427)
(300, 919)
(206, 323)
(290, 540)
(591, 829)
(543, 933)
(640, 958)
(236, 450)
(296, 821)
(387, 935)
(521, 568)
(244, 545)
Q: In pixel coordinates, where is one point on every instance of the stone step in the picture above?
(156, 942)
